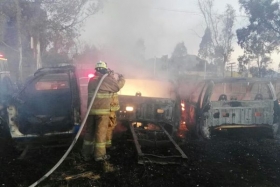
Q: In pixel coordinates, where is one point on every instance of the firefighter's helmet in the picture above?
(101, 64)
(101, 67)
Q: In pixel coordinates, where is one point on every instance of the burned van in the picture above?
(47, 107)
(232, 103)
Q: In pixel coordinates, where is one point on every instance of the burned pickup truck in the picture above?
(47, 108)
(151, 111)
(232, 103)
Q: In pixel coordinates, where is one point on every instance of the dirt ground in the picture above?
(231, 159)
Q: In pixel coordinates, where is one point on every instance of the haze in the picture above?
(161, 23)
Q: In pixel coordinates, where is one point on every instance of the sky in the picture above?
(160, 23)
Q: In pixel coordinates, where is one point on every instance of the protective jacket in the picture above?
(110, 85)
(114, 105)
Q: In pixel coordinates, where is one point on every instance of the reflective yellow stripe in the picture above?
(99, 111)
(100, 144)
(101, 95)
(104, 95)
(115, 108)
(88, 142)
(109, 142)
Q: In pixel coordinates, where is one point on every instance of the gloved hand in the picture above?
(120, 76)
(110, 72)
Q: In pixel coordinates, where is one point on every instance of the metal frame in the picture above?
(151, 158)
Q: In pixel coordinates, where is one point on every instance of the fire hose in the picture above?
(75, 139)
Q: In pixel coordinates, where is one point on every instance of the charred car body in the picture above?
(47, 108)
(232, 103)
(7, 88)
(149, 100)
(151, 110)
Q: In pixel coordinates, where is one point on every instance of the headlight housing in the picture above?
(160, 111)
(129, 108)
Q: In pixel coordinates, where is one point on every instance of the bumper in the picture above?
(235, 126)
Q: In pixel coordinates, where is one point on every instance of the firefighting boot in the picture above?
(102, 158)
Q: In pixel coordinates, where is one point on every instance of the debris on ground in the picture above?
(226, 161)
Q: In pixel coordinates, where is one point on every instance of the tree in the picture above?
(224, 48)
(264, 19)
(206, 46)
(216, 44)
(54, 27)
(179, 58)
(180, 52)
(206, 52)
(263, 71)
(65, 20)
(18, 20)
(254, 51)
(261, 36)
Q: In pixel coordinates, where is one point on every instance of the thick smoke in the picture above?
(122, 23)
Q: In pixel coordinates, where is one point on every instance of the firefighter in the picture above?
(114, 106)
(98, 120)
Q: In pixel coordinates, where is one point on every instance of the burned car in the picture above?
(150, 100)
(232, 103)
(150, 109)
(47, 108)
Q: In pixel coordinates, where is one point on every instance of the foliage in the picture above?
(261, 36)
(264, 22)
(224, 47)
(206, 46)
(179, 57)
(65, 19)
(216, 44)
(51, 58)
(54, 25)
(180, 51)
(262, 72)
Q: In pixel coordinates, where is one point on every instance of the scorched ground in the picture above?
(228, 160)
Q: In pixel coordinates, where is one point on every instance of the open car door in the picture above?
(48, 104)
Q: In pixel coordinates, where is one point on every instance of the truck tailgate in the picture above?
(245, 113)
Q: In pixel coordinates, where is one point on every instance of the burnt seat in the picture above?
(223, 97)
(259, 97)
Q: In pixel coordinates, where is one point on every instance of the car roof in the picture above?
(51, 70)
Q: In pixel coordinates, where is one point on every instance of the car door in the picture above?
(49, 103)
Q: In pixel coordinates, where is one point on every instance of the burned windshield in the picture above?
(53, 82)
